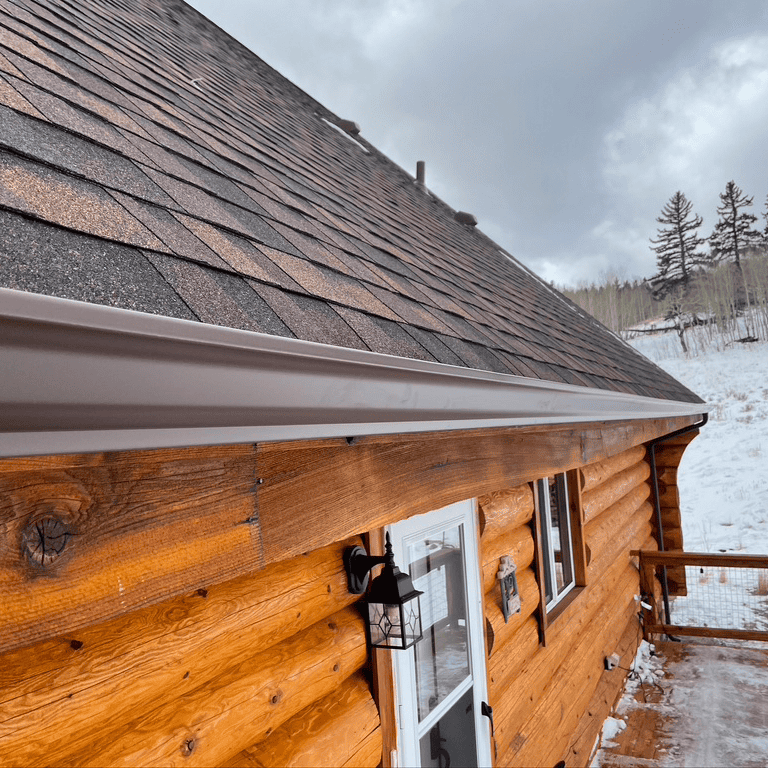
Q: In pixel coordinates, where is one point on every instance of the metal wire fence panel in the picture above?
(723, 597)
(727, 595)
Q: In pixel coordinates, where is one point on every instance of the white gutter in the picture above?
(78, 377)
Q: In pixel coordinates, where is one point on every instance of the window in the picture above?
(556, 539)
(561, 563)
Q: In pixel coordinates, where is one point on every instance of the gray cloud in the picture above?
(563, 126)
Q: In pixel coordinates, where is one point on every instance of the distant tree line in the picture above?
(698, 280)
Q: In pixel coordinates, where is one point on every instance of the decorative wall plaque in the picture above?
(510, 597)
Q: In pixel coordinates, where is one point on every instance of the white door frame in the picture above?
(409, 729)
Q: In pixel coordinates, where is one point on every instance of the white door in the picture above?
(441, 681)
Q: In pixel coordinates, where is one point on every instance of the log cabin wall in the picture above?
(190, 607)
(550, 700)
(668, 457)
(263, 670)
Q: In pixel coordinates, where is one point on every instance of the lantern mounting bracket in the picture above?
(358, 563)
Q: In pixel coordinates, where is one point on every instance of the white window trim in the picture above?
(548, 552)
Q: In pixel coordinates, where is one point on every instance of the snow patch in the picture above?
(345, 135)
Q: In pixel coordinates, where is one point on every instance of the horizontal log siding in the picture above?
(197, 679)
(220, 639)
(340, 729)
(145, 526)
(605, 698)
(547, 700)
(668, 457)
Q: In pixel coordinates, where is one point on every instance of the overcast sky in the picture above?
(563, 126)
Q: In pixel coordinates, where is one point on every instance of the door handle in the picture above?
(487, 710)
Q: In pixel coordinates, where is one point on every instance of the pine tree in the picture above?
(677, 247)
(734, 231)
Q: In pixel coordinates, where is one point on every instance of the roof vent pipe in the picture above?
(465, 218)
(420, 172)
(350, 126)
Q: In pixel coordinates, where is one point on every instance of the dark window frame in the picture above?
(570, 494)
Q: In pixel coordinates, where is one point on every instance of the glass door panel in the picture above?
(441, 680)
(442, 656)
(450, 743)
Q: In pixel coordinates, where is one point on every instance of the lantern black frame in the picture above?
(394, 610)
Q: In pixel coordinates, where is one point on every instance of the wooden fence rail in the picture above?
(727, 595)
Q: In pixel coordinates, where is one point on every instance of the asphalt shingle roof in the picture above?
(149, 161)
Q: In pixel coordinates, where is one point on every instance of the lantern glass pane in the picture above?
(411, 622)
(386, 624)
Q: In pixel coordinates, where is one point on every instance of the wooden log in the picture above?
(669, 453)
(505, 666)
(600, 532)
(605, 697)
(675, 442)
(596, 501)
(84, 544)
(517, 543)
(667, 475)
(597, 473)
(541, 721)
(566, 704)
(401, 476)
(529, 600)
(670, 517)
(327, 733)
(608, 570)
(669, 496)
(123, 530)
(368, 754)
(503, 510)
(107, 673)
(673, 539)
(668, 457)
(242, 706)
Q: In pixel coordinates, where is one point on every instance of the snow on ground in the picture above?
(707, 704)
(723, 484)
(723, 477)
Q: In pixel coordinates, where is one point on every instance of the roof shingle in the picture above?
(132, 126)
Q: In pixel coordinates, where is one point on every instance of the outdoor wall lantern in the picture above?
(394, 610)
(510, 594)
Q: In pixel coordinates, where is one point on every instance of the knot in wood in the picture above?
(188, 747)
(45, 539)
